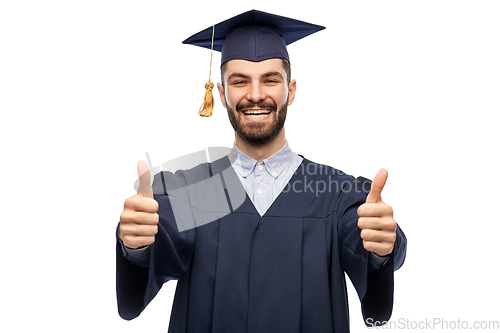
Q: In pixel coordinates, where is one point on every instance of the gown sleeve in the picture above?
(375, 287)
(169, 259)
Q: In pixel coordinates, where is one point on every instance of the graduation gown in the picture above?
(280, 272)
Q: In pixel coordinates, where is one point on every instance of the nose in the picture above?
(256, 92)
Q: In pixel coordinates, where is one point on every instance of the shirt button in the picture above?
(245, 173)
(259, 191)
(274, 174)
(260, 167)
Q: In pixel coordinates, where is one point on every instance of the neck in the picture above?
(263, 151)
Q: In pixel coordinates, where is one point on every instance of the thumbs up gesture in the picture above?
(139, 219)
(378, 228)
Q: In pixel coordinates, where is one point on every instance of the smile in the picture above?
(256, 113)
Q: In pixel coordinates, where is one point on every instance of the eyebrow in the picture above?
(265, 75)
(238, 75)
(276, 73)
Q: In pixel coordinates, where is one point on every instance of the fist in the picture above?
(378, 228)
(139, 219)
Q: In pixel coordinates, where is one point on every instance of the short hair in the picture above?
(286, 66)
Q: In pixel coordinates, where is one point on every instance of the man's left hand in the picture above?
(378, 228)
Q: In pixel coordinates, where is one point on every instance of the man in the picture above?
(274, 262)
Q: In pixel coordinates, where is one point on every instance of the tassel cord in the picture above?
(206, 109)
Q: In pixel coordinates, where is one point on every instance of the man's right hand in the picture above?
(139, 219)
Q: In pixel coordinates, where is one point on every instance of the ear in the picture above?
(221, 94)
(292, 88)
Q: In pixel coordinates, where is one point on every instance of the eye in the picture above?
(272, 80)
(238, 83)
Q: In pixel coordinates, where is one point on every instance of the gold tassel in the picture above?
(206, 109)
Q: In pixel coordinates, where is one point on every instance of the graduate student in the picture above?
(259, 240)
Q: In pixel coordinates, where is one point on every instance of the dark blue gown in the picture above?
(282, 272)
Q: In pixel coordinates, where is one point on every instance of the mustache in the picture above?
(261, 104)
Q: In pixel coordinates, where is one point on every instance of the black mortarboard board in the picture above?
(253, 36)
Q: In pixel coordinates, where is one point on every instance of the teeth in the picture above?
(256, 113)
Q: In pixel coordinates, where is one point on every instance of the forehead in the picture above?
(251, 68)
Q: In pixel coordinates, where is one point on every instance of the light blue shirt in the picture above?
(264, 181)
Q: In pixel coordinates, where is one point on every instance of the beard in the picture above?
(255, 132)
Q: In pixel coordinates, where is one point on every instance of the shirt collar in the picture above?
(242, 163)
(275, 164)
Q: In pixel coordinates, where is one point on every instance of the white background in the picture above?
(87, 87)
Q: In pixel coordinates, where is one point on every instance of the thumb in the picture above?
(378, 184)
(144, 189)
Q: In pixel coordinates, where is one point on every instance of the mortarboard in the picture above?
(252, 36)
